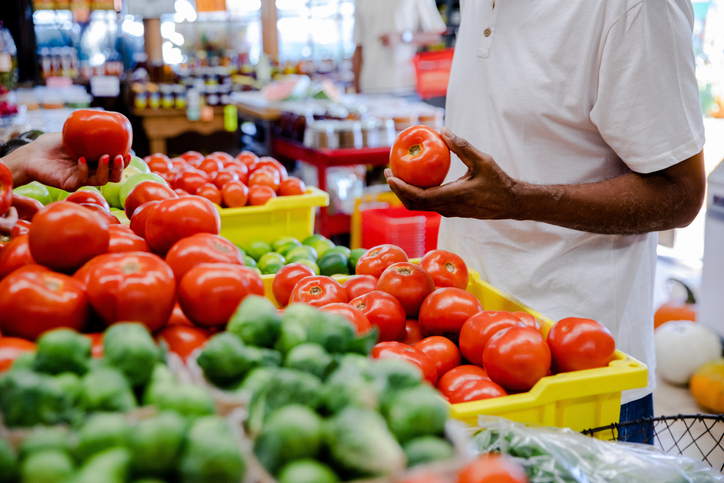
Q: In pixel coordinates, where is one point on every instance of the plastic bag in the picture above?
(552, 455)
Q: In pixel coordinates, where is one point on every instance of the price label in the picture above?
(150, 8)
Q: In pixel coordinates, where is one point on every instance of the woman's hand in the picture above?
(8, 220)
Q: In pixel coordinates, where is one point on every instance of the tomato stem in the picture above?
(414, 150)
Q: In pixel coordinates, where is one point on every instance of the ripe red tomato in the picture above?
(529, 321)
(210, 192)
(476, 391)
(408, 283)
(446, 269)
(270, 163)
(442, 351)
(318, 291)
(384, 311)
(22, 227)
(493, 469)
(516, 358)
(248, 158)
(133, 286)
(104, 215)
(123, 240)
(65, 235)
(191, 180)
(190, 156)
(420, 157)
(256, 284)
(201, 248)
(6, 189)
(96, 339)
(240, 170)
(88, 197)
(259, 195)
(159, 163)
(91, 134)
(221, 156)
(139, 218)
(172, 220)
(359, 320)
(458, 377)
(11, 348)
(178, 164)
(210, 165)
(181, 192)
(398, 350)
(209, 293)
(235, 194)
(577, 344)
(144, 192)
(223, 177)
(286, 279)
(292, 187)
(413, 334)
(33, 299)
(445, 311)
(27, 207)
(178, 317)
(184, 340)
(265, 177)
(478, 330)
(377, 259)
(14, 255)
(358, 285)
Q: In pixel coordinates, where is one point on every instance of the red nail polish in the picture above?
(82, 160)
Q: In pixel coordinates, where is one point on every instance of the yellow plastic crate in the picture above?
(577, 400)
(281, 216)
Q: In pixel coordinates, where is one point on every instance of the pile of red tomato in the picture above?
(227, 181)
(424, 315)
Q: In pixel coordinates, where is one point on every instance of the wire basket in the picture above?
(699, 436)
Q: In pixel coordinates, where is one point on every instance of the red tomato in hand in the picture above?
(184, 340)
(578, 344)
(476, 391)
(11, 348)
(124, 240)
(458, 377)
(359, 320)
(22, 227)
(159, 163)
(398, 350)
(292, 187)
(384, 311)
(235, 194)
(493, 469)
(268, 162)
(413, 334)
(210, 192)
(318, 291)
(260, 194)
(223, 177)
(442, 351)
(33, 299)
(6, 189)
(377, 259)
(201, 248)
(358, 285)
(445, 311)
(14, 255)
(64, 236)
(96, 339)
(191, 180)
(139, 218)
(446, 269)
(88, 197)
(420, 157)
(265, 177)
(91, 134)
(144, 192)
(172, 220)
(478, 330)
(286, 279)
(210, 165)
(209, 293)
(529, 321)
(408, 283)
(516, 358)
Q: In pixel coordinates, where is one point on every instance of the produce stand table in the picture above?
(161, 124)
(329, 225)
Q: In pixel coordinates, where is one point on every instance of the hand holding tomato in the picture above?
(420, 157)
(91, 134)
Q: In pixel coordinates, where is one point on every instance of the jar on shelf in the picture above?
(180, 99)
(371, 132)
(387, 132)
(167, 100)
(403, 120)
(154, 98)
(432, 118)
(140, 96)
(322, 135)
(350, 134)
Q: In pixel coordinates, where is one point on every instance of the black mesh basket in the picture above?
(697, 436)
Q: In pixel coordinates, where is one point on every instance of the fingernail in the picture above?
(82, 160)
(447, 133)
(105, 159)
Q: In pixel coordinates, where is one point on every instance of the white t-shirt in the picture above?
(565, 92)
(390, 69)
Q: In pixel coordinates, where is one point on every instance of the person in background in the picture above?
(578, 135)
(387, 34)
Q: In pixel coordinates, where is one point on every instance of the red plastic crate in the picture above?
(432, 70)
(413, 231)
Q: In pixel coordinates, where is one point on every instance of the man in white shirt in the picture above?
(387, 34)
(589, 113)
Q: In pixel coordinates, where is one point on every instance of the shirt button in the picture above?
(486, 32)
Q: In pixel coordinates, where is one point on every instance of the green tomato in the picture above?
(310, 264)
(270, 258)
(134, 181)
(283, 241)
(57, 194)
(312, 239)
(302, 253)
(121, 215)
(256, 248)
(112, 191)
(321, 246)
(90, 188)
(139, 164)
(36, 191)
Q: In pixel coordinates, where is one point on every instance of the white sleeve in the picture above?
(357, 33)
(647, 107)
(429, 17)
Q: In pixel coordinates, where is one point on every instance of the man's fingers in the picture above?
(468, 154)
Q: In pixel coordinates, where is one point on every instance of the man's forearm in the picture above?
(15, 161)
(357, 67)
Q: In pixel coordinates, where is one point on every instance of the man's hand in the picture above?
(391, 39)
(484, 192)
(8, 220)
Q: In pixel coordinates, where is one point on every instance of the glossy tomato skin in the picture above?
(493, 469)
(256, 284)
(268, 162)
(172, 220)
(458, 377)
(6, 189)
(445, 311)
(476, 391)
(190, 156)
(223, 177)
(88, 197)
(235, 194)
(27, 207)
(260, 194)
(184, 340)
(135, 286)
(248, 158)
(210, 192)
(408, 283)
(209, 293)
(239, 170)
(11, 348)
(377, 259)
(91, 134)
(529, 321)
(398, 350)
(577, 344)
(420, 157)
(265, 177)
(442, 351)
(286, 279)
(292, 187)
(318, 291)
(191, 180)
(104, 215)
(384, 311)
(14, 255)
(140, 217)
(210, 165)
(159, 163)
(178, 317)
(124, 240)
(201, 248)
(358, 285)
(33, 300)
(22, 227)
(413, 334)
(517, 358)
(359, 320)
(446, 269)
(144, 192)
(64, 236)
(478, 329)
